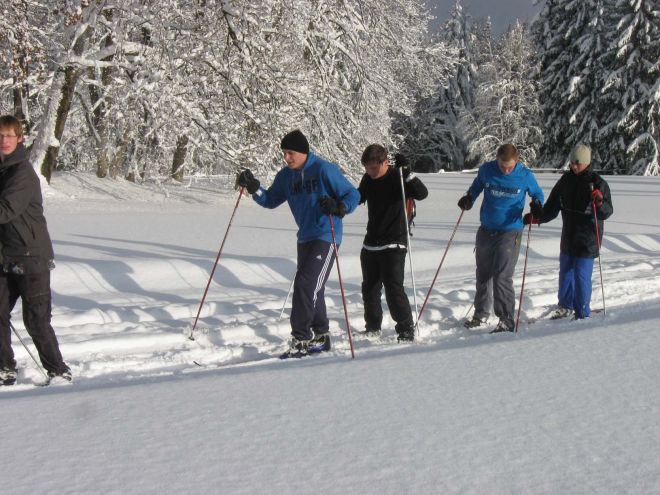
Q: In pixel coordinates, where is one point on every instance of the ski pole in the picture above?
(468, 311)
(440, 266)
(39, 367)
(215, 265)
(412, 269)
(288, 294)
(341, 286)
(522, 287)
(600, 266)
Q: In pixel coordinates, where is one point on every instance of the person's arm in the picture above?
(533, 189)
(17, 192)
(272, 197)
(605, 209)
(341, 189)
(467, 200)
(362, 189)
(477, 186)
(552, 206)
(415, 188)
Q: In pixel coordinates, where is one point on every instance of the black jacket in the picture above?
(23, 232)
(572, 195)
(387, 223)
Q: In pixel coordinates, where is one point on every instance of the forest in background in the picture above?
(145, 88)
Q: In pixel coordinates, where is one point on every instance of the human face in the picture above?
(506, 167)
(578, 168)
(376, 170)
(294, 159)
(8, 141)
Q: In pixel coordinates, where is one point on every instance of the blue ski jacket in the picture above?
(302, 189)
(504, 195)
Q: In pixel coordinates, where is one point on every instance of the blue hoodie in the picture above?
(302, 189)
(504, 195)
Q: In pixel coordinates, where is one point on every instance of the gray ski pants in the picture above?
(496, 255)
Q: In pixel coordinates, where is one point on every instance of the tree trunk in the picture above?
(21, 71)
(116, 164)
(46, 146)
(102, 102)
(45, 136)
(20, 104)
(21, 93)
(102, 164)
(179, 158)
(71, 76)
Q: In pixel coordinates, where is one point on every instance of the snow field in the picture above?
(561, 407)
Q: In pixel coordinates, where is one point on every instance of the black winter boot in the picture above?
(407, 335)
(7, 376)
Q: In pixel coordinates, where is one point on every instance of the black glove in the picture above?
(330, 206)
(247, 180)
(536, 208)
(465, 203)
(401, 162)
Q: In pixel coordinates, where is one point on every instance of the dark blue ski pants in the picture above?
(575, 284)
(308, 316)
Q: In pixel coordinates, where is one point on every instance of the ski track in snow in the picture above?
(121, 315)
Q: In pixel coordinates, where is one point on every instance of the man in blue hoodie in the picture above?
(505, 183)
(314, 189)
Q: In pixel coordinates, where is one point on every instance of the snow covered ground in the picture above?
(562, 407)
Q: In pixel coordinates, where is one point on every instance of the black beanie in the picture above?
(295, 141)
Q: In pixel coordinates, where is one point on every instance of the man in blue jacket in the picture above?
(314, 189)
(505, 183)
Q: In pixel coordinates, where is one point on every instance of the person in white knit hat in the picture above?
(582, 196)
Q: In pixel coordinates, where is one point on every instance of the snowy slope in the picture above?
(562, 407)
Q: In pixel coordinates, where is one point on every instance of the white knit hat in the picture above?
(581, 154)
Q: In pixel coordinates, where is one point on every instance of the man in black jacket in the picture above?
(576, 194)
(27, 256)
(383, 255)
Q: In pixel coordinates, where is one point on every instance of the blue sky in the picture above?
(501, 12)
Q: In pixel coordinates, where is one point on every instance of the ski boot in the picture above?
(7, 376)
(502, 327)
(320, 343)
(297, 349)
(474, 322)
(561, 313)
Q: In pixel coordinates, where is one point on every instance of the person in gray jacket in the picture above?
(27, 256)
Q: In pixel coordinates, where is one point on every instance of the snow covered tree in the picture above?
(506, 108)
(432, 137)
(570, 36)
(112, 82)
(371, 65)
(21, 55)
(70, 26)
(631, 91)
(138, 87)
